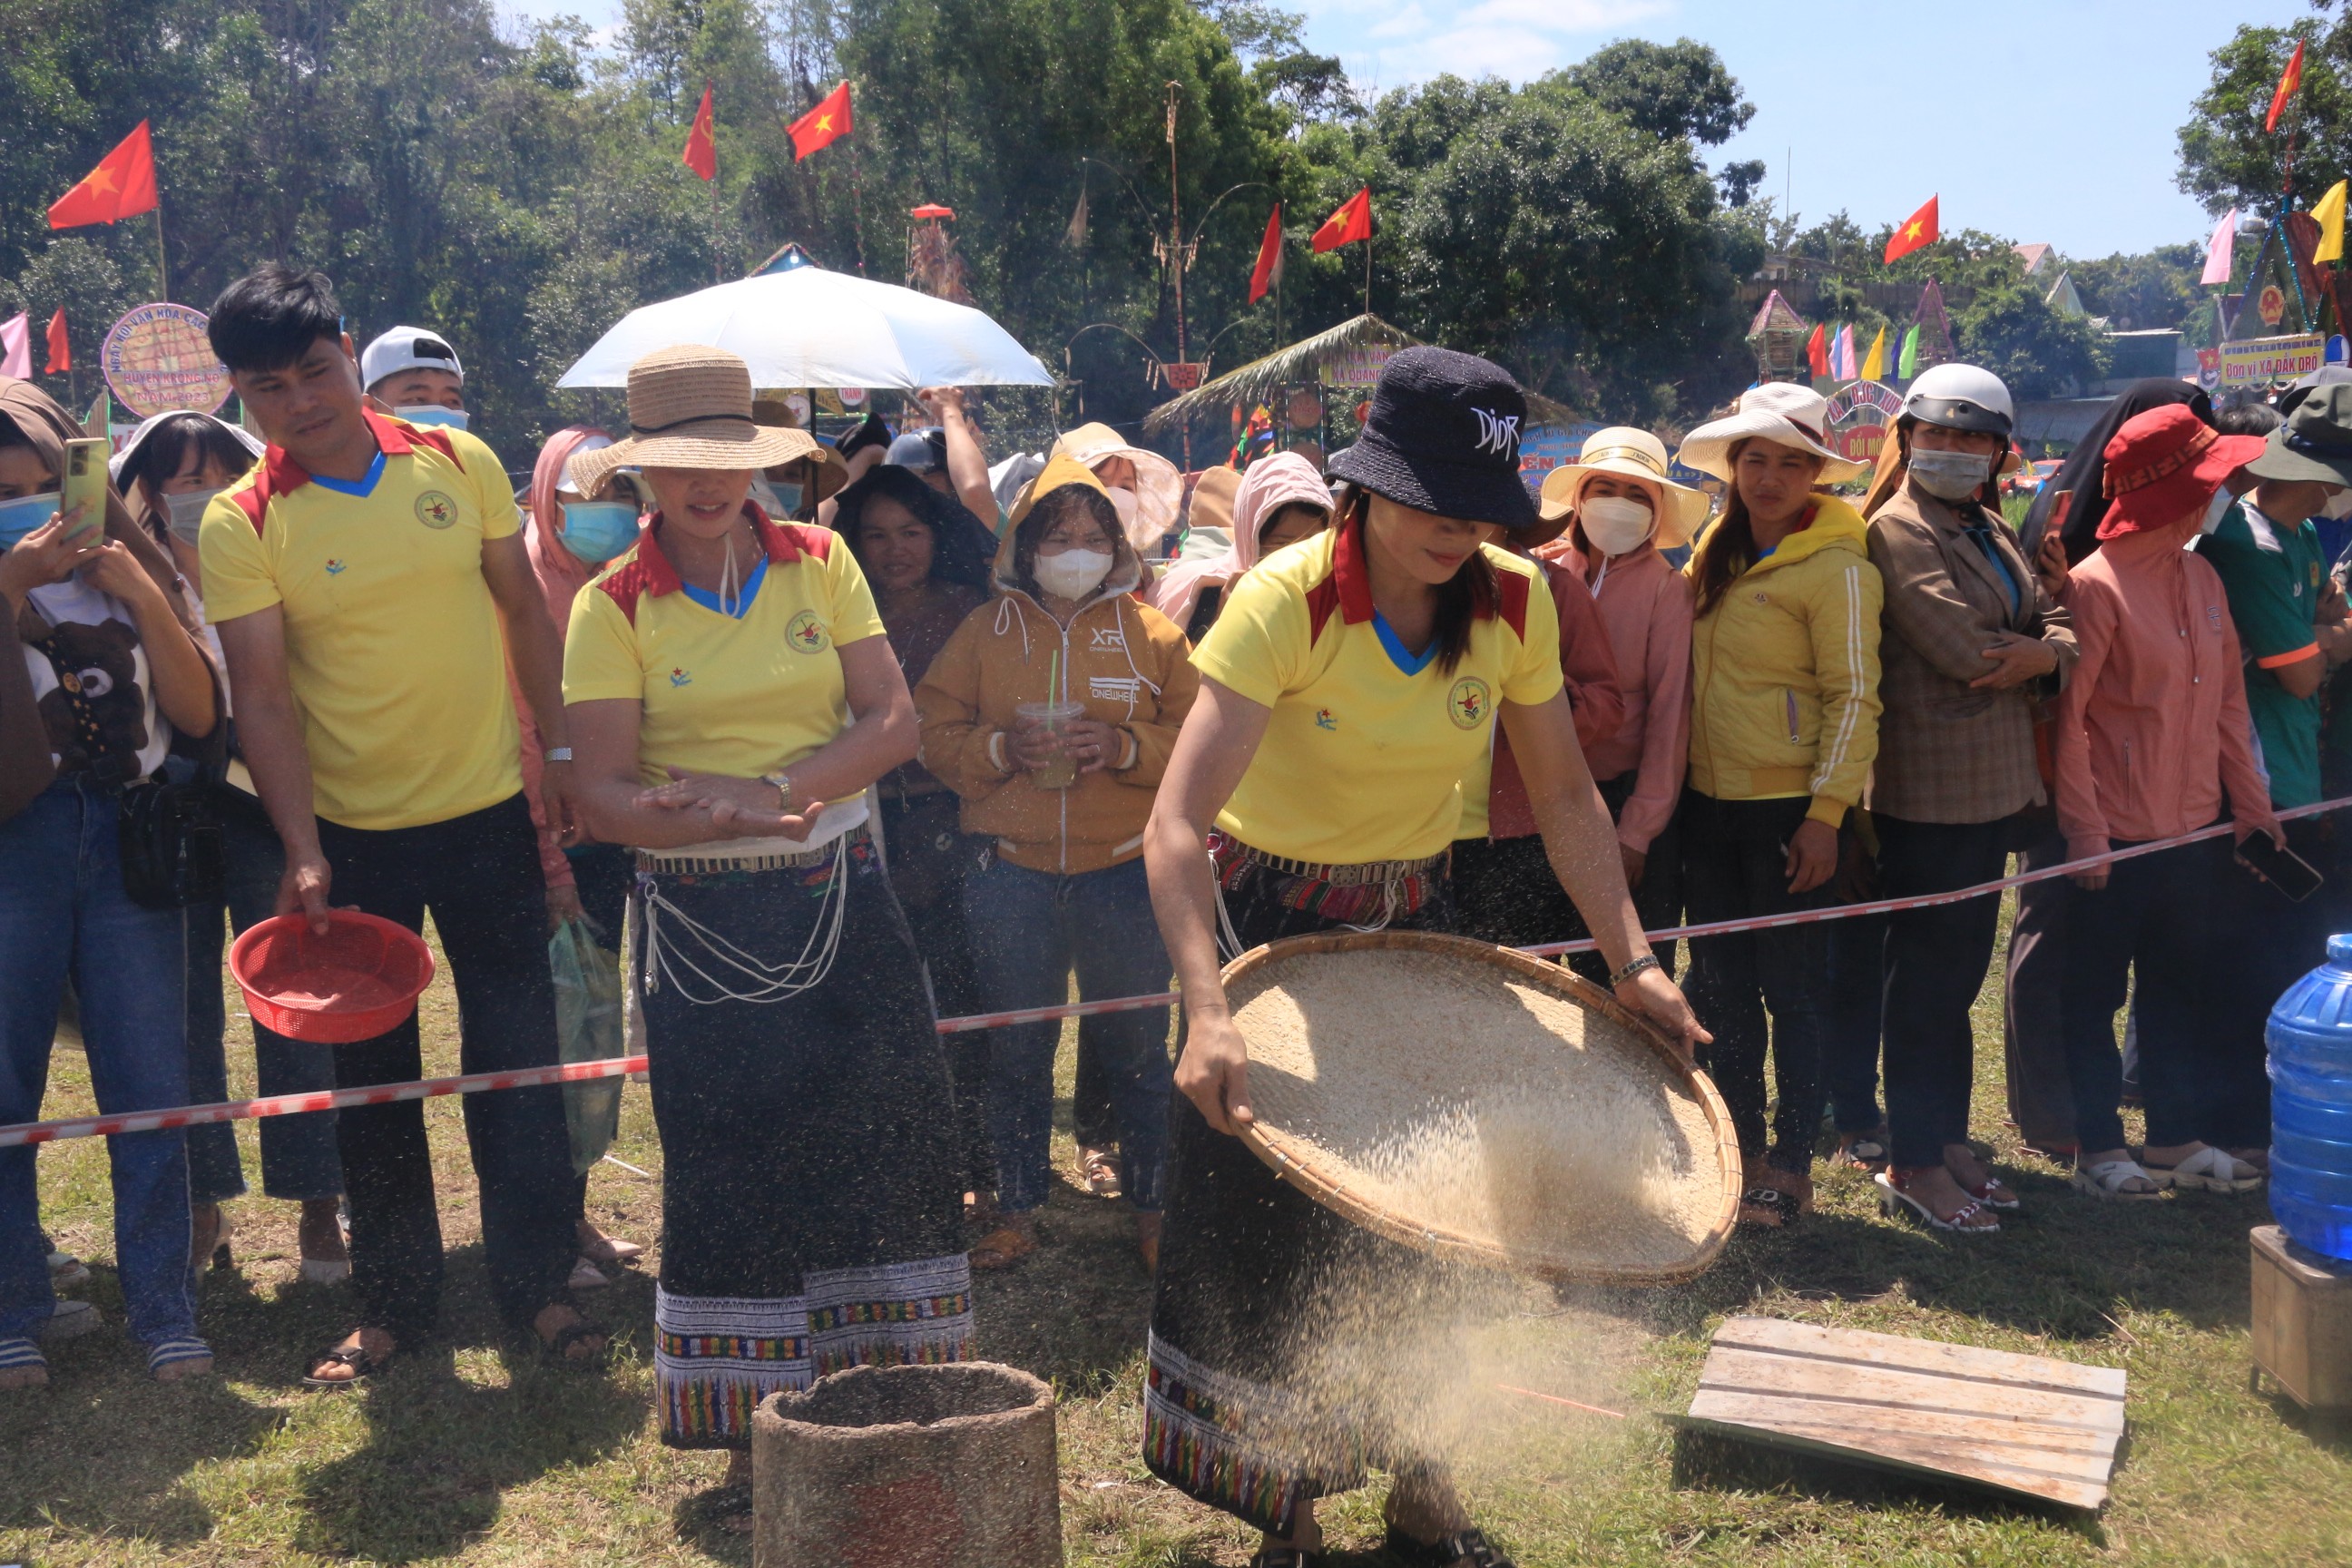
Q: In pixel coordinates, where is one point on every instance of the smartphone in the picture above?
(2285, 869)
(85, 486)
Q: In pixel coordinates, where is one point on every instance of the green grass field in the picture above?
(472, 1452)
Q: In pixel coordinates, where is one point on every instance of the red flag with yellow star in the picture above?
(702, 153)
(1917, 230)
(821, 126)
(122, 186)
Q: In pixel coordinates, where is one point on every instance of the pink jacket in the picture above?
(1593, 696)
(1647, 605)
(2153, 727)
(1272, 483)
(561, 574)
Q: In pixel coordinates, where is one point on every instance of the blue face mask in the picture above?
(596, 531)
(777, 498)
(24, 515)
(433, 413)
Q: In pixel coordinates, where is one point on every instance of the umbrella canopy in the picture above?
(809, 327)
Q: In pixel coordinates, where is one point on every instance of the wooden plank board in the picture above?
(2021, 1423)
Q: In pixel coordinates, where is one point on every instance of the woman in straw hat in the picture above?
(1620, 510)
(1972, 645)
(1784, 723)
(727, 677)
(1349, 692)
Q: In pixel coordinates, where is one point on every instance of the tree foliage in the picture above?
(2228, 159)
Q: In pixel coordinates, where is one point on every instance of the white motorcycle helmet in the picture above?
(1961, 397)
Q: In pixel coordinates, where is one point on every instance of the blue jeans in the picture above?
(1029, 929)
(298, 1152)
(63, 913)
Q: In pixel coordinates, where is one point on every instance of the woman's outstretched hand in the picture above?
(745, 808)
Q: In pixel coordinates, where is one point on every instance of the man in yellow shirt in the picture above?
(370, 585)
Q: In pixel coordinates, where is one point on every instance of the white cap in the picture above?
(131, 447)
(406, 348)
(567, 481)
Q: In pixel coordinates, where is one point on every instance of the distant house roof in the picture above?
(2033, 256)
(2062, 297)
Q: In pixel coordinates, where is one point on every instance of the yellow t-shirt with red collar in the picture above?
(1362, 761)
(722, 695)
(394, 647)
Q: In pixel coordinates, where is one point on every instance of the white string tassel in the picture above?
(1229, 940)
(667, 959)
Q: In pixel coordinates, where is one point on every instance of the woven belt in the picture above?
(690, 864)
(1370, 873)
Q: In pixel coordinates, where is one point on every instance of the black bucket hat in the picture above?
(1443, 436)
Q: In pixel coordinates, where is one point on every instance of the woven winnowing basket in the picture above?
(1357, 1042)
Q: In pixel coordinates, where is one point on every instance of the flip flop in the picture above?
(356, 1357)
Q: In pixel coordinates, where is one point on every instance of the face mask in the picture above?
(1074, 573)
(777, 498)
(1615, 524)
(2217, 510)
(1122, 500)
(1950, 476)
(2338, 506)
(596, 531)
(25, 515)
(186, 513)
(433, 413)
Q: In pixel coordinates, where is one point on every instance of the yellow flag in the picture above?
(2328, 212)
(1874, 365)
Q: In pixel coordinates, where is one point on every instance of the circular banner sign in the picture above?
(157, 359)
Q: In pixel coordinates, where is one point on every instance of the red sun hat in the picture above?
(2163, 465)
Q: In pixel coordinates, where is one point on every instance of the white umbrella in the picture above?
(809, 327)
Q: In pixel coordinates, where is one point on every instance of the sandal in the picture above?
(611, 1251)
(1891, 1196)
(1767, 1208)
(70, 1320)
(1099, 1173)
(65, 1271)
(2105, 1181)
(1462, 1549)
(1863, 1151)
(557, 1351)
(356, 1357)
(178, 1352)
(1984, 1194)
(21, 1355)
(1272, 1556)
(1003, 1246)
(2209, 1170)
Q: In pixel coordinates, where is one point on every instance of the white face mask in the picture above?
(1074, 573)
(2338, 506)
(433, 413)
(2218, 509)
(1615, 524)
(1950, 476)
(187, 513)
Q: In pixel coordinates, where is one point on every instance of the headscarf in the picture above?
(960, 543)
(561, 574)
(48, 428)
(1272, 482)
(2084, 473)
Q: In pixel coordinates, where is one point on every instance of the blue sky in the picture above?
(2052, 120)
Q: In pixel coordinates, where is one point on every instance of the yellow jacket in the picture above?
(1784, 672)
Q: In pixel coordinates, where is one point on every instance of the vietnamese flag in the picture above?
(822, 126)
(2289, 80)
(1817, 351)
(1351, 222)
(122, 186)
(1919, 229)
(60, 351)
(702, 153)
(1269, 257)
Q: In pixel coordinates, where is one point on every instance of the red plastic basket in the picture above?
(358, 981)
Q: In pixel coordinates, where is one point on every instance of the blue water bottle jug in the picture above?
(2310, 1038)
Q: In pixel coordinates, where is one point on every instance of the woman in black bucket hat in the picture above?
(1350, 685)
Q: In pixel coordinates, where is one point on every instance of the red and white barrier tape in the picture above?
(574, 1072)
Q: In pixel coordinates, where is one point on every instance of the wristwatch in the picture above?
(784, 783)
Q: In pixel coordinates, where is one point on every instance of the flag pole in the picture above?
(163, 265)
(1368, 269)
(857, 207)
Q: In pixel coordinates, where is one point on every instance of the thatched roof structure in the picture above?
(1264, 380)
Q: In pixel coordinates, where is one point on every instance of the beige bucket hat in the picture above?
(1632, 454)
(1158, 488)
(690, 408)
(1779, 412)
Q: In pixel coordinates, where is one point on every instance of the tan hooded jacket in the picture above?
(1124, 660)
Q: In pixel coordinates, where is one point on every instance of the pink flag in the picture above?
(17, 347)
(2222, 250)
(1841, 361)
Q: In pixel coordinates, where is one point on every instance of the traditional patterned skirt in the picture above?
(812, 1194)
(1246, 1260)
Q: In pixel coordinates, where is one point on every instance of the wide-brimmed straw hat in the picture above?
(1442, 435)
(1158, 488)
(1632, 454)
(690, 408)
(2165, 464)
(1779, 412)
